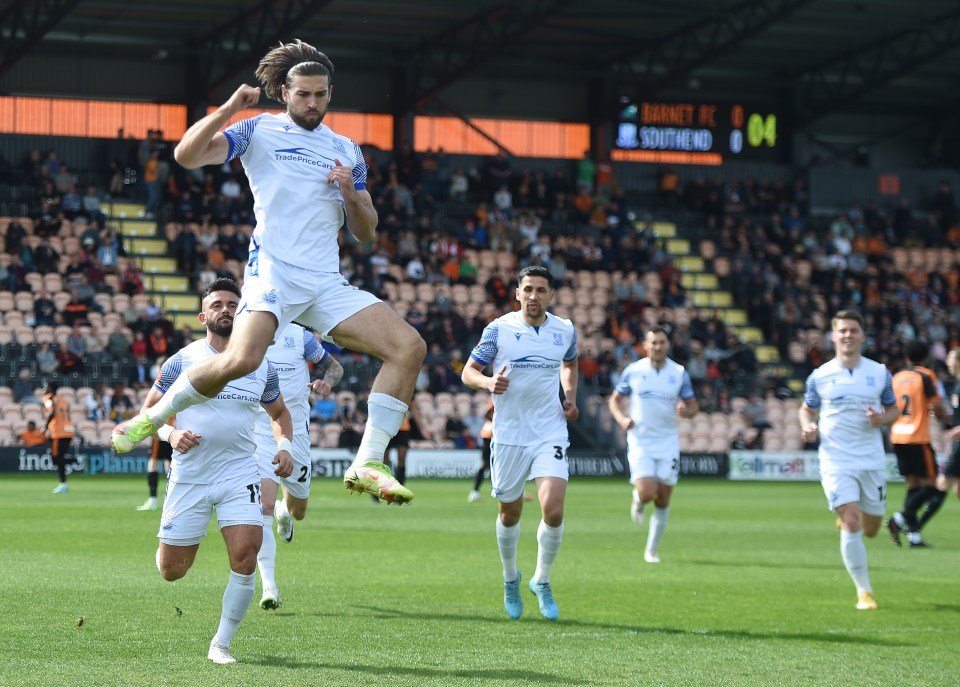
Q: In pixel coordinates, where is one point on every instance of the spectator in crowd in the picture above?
(76, 346)
(755, 414)
(47, 362)
(45, 258)
(121, 406)
(44, 310)
(138, 346)
(32, 436)
(182, 337)
(131, 282)
(118, 344)
(24, 386)
(140, 374)
(110, 250)
(157, 343)
(739, 442)
(95, 348)
(324, 409)
(97, 403)
(91, 207)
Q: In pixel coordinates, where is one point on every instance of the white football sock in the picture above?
(658, 523)
(854, 554)
(180, 396)
(267, 557)
(507, 538)
(384, 416)
(236, 600)
(548, 546)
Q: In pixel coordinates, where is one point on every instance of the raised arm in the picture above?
(204, 143)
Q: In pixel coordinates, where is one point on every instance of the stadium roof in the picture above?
(819, 57)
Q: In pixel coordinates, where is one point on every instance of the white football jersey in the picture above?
(225, 422)
(842, 396)
(530, 411)
(292, 347)
(298, 213)
(653, 398)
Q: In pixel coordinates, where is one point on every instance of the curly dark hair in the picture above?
(280, 65)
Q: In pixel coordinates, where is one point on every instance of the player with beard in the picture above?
(534, 356)
(213, 466)
(306, 181)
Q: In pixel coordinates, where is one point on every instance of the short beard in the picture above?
(223, 330)
(302, 123)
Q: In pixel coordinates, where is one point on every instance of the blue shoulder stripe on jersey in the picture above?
(312, 350)
(486, 350)
(271, 391)
(169, 371)
(359, 169)
(572, 352)
(239, 135)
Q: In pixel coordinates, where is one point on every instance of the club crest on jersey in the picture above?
(339, 146)
(252, 376)
(270, 296)
(557, 340)
(288, 342)
(871, 381)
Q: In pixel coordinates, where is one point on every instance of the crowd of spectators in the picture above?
(788, 268)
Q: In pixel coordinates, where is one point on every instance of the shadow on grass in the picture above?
(955, 608)
(504, 675)
(574, 628)
(763, 564)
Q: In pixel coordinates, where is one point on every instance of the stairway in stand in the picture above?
(144, 243)
(705, 292)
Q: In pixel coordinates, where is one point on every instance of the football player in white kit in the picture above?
(659, 391)
(852, 397)
(533, 356)
(213, 466)
(294, 347)
(306, 181)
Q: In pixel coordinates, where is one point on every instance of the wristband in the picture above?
(285, 445)
(165, 432)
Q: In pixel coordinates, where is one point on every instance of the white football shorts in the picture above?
(318, 300)
(665, 470)
(866, 487)
(298, 483)
(511, 466)
(187, 508)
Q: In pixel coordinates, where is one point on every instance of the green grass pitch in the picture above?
(751, 592)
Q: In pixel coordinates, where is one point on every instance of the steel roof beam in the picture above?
(24, 24)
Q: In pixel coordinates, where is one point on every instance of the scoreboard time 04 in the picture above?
(730, 130)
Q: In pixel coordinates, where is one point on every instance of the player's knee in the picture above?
(172, 573)
(413, 349)
(553, 518)
(509, 519)
(245, 564)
